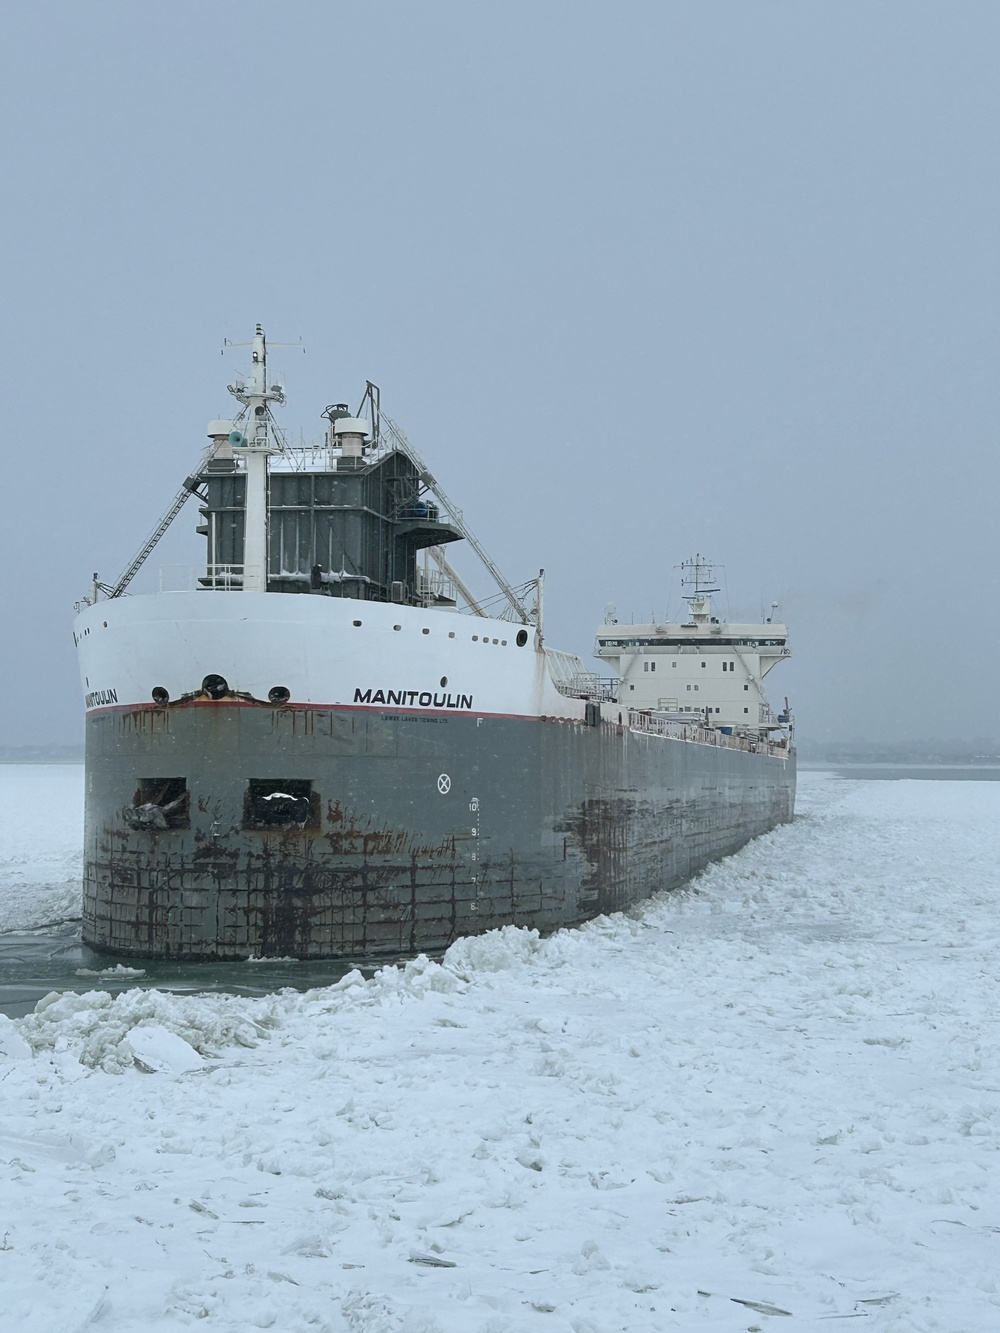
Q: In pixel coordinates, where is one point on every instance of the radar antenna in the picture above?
(698, 573)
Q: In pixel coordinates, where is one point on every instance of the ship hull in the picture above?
(422, 826)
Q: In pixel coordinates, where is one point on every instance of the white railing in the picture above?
(179, 578)
(563, 667)
(589, 685)
(435, 585)
(703, 735)
(227, 576)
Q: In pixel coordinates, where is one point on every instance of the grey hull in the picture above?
(423, 827)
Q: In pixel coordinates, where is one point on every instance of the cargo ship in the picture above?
(329, 746)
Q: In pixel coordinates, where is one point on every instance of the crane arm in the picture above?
(189, 488)
(457, 518)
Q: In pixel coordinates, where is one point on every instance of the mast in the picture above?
(255, 444)
(699, 573)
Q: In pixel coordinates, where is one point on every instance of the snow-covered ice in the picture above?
(771, 1100)
(41, 841)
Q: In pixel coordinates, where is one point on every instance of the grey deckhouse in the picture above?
(352, 533)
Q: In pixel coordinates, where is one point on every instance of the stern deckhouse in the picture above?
(701, 668)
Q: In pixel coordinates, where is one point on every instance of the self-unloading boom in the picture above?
(189, 488)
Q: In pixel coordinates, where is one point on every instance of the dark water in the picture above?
(33, 965)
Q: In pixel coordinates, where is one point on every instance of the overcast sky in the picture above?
(638, 279)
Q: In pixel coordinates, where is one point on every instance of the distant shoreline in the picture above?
(76, 759)
(991, 765)
(41, 754)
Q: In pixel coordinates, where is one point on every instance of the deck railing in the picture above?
(703, 735)
(223, 576)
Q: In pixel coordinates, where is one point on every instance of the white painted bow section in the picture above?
(312, 647)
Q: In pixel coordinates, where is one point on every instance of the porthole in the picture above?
(503, 643)
(444, 681)
(278, 694)
(216, 687)
(522, 638)
(397, 627)
(475, 638)
(160, 695)
(105, 624)
(451, 634)
(496, 640)
(357, 624)
(425, 631)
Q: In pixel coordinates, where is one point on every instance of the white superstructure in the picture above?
(702, 667)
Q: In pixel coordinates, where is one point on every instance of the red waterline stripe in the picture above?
(425, 712)
(330, 708)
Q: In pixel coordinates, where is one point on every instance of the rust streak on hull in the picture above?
(543, 824)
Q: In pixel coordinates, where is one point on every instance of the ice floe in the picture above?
(769, 1100)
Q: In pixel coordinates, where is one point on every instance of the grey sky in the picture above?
(639, 280)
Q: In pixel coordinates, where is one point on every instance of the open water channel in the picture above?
(34, 963)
